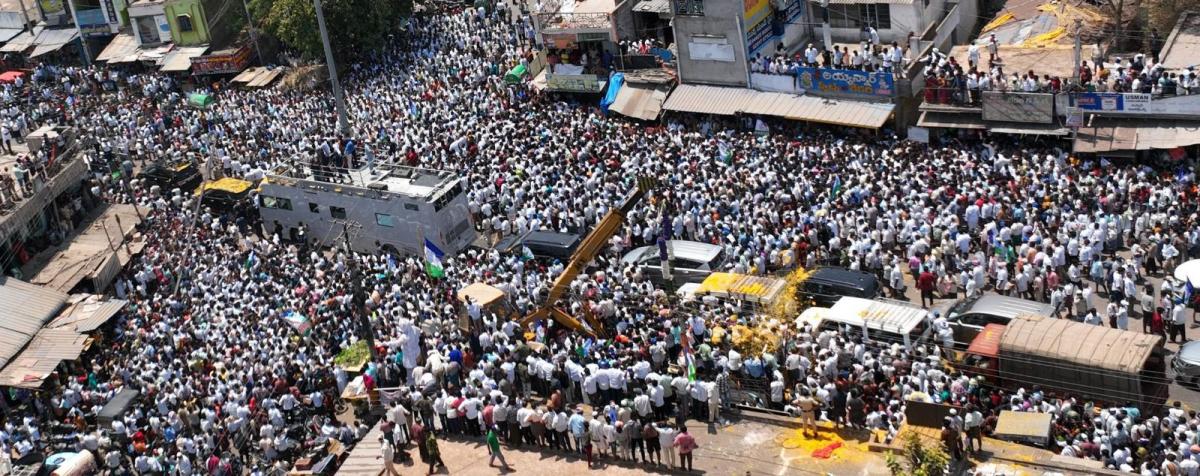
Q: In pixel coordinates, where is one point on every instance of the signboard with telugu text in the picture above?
(845, 81)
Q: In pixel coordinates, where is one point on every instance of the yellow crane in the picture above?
(587, 251)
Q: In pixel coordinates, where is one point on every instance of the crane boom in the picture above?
(587, 251)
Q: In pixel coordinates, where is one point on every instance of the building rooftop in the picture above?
(569, 15)
(1033, 24)
(411, 181)
(1054, 60)
(1182, 48)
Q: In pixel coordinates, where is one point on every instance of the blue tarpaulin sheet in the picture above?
(614, 85)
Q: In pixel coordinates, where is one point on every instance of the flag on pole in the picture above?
(252, 260)
(837, 188)
(526, 253)
(725, 151)
(433, 260)
(392, 265)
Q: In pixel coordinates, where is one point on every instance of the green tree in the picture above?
(356, 27)
(918, 459)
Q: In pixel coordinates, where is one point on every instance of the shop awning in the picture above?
(38, 360)
(123, 45)
(180, 59)
(729, 101)
(86, 312)
(9, 33)
(943, 120)
(1119, 135)
(259, 76)
(27, 307)
(653, 6)
(1029, 129)
(53, 40)
(640, 101)
(22, 41)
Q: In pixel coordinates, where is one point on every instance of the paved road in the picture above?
(1187, 393)
(744, 448)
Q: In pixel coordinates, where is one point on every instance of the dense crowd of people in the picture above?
(226, 380)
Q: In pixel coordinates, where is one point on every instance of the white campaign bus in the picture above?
(880, 320)
(390, 208)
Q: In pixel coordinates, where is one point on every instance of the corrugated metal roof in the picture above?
(728, 101)
(121, 46)
(22, 41)
(653, 6)
(91, 249)
(641, 102)
(9, 33)
(26, 309)
(87, 312)
(53, 40)
(45, 351)
(1125, 134)
(180, 59)
(1077, 343)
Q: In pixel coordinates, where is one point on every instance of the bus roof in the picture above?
(884, 316)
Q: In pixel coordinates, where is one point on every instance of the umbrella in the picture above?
(1189, 272)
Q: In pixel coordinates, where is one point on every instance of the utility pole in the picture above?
(253, 33)
(343, 125)
(25, 13)
(359, 298)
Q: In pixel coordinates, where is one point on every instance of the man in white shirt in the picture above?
(973, 423)
(641, 404)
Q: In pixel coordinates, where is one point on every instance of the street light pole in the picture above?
(343, 125)
(253, 33)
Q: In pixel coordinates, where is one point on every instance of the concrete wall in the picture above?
(194, 9)
(968, 20)
(720, 23)
(213, 21)
(913, 18)
(944, 38)
(779, 83)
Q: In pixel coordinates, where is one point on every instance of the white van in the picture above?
(882, 320)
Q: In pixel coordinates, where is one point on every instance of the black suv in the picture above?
(543, 244)
(827, 285)
(167, 175)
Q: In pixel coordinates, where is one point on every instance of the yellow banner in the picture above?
(755, 10)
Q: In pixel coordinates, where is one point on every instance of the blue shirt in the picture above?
(577, 424)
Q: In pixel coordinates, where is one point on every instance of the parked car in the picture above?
(171, 175)
(968, 317)
(542, 244)
(693, 262)
(826, 286)
(1187, 363)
